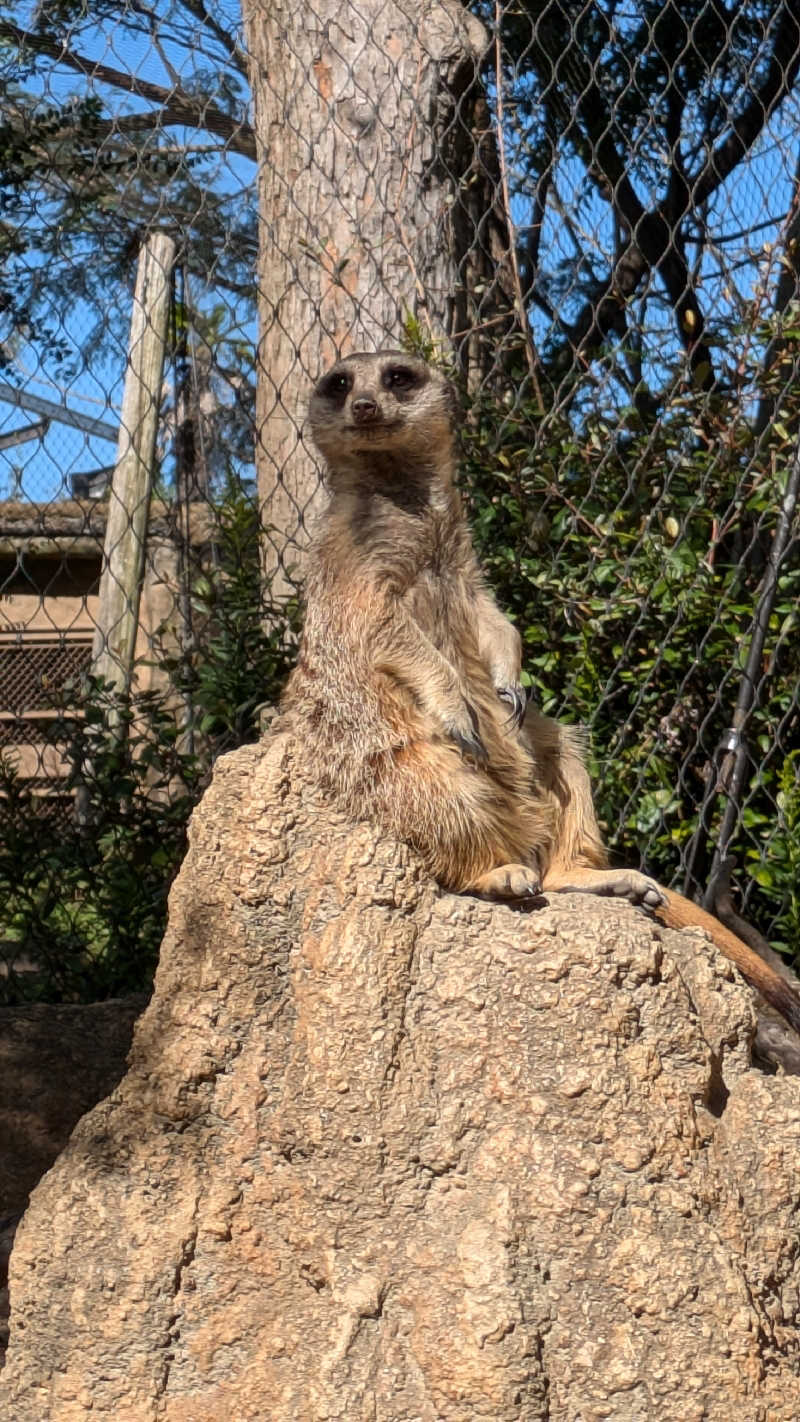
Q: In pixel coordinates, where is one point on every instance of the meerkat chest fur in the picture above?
(379, 553)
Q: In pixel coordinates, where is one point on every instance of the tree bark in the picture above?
(364, 121)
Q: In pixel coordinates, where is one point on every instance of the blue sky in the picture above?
(90, 380)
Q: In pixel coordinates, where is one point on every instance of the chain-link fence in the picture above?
(588, 213)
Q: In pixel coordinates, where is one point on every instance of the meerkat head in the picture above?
(389, 403)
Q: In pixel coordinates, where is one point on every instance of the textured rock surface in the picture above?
(383, 1153)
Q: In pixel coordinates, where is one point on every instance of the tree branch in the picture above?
(177, 107)
(781, 73)
(655, 236)
(604, 311)
(533, 235)
(199, 12)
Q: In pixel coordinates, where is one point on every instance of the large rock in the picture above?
(384, 1153)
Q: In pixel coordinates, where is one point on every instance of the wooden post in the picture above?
(132, 482)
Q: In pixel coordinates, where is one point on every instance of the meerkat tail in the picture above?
(679, 912)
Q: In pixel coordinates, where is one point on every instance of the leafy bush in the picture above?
(84, 892)
(242, 647)
(631, 553)
(83, 887)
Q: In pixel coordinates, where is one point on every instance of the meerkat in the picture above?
(407, 687)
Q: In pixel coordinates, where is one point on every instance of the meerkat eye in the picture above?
(336, 386)
(398, 377)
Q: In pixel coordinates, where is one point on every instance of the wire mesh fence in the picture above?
(589, 214)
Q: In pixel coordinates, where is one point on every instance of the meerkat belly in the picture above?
(444, 610)
(441, 608)
(357, 711)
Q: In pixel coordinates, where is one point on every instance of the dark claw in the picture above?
(517, 698)
(469, 745)
(533, 891)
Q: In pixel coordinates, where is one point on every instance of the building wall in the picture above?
(49, 607)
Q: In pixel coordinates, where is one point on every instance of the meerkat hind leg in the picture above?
(508, 881)
(620, 883)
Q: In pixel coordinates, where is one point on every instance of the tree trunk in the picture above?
(365, 122)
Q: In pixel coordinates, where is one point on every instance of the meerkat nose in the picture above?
(365, 410)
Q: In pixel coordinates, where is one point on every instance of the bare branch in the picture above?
(655, 235)
(782, 71)
(177, 107)
(199, 12)
(522, 315)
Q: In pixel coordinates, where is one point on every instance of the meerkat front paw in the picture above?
(461, 727)
(468, 742)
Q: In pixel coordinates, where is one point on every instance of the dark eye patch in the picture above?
(399, 377)
(335, 386)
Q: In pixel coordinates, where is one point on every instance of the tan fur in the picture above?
(408, 673)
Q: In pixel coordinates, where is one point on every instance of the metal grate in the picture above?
(31, 675)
